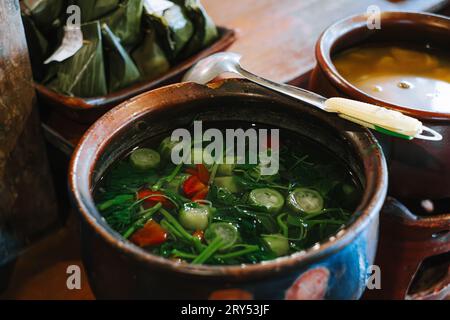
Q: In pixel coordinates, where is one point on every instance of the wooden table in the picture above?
(276, 38)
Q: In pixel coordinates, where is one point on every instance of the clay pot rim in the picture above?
(333, 35)
(86, 156)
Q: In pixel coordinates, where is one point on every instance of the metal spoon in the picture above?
(374, 117)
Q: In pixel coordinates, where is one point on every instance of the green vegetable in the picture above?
(231, 184)
(225, 169)
(194, 216)
(243, 216)
(303, 200)
(277, 243)
(165, 148)
(271, 199)
(120, 199)
(177, 182)
(226, 232)
(140, 223)
(145, 159)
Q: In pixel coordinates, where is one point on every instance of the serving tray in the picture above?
(87, 110)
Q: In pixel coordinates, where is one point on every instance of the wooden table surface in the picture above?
(276, 38)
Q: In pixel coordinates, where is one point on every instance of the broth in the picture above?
(228, 214)
(414, 77)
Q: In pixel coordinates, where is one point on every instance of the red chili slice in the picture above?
(151, 234)
(201, 195)
(192, 186)
(153, 197)
(203, 173)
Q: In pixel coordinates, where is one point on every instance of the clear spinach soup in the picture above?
(228, 213)
(417, 77)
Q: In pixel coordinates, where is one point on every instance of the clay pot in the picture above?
(416, 168)
(336, 268)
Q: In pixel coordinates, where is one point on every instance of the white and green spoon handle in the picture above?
(383, 120)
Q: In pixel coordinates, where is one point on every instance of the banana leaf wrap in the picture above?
(150, 58)
(95, 9)
(205, 30)
(171, 23)
(120, 68)
(126, 21)
(83, 74)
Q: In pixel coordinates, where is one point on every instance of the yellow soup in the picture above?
(412, 77)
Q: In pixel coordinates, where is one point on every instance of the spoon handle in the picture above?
(383, 120)
(291, 91)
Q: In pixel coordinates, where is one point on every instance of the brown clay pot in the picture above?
(417, 168)
(334, 269)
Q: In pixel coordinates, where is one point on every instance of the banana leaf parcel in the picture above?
(125, 22)
(83, 75)
(94, 9)
(171, 23)
(150, 58)
(121, 70)
(205, 29)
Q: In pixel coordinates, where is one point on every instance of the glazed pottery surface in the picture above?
(334, 269)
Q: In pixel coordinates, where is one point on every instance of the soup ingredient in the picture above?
(277, 243)
(194, 216)
(303, 200)
(196, 186)
(150, 198)
(226, 232)
(231, 184)
(270, 199)
(145, 159)
(414, 77)
(165, 148)
(150, 235)
(240, 217)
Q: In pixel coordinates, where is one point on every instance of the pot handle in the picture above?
(381, 119)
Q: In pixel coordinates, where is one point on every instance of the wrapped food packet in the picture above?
(125, 22)
(44, 12)
(120, 68)
(94, 9)
(83, 74)
(171, 24)
(205, 29)
(150, 58)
